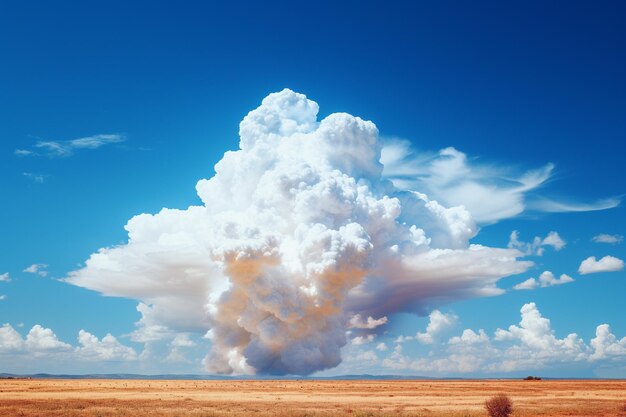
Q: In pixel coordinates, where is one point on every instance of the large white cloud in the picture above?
(606, 264)
(298, 232)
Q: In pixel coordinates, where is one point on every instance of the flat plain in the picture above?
(262, 398)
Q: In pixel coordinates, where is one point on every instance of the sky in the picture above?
(423, 189)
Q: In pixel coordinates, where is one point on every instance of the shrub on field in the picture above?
(499, 406)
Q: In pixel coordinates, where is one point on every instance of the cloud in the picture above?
(381, 347)
(107, 349)
(438, 323)
(606, 345)
(39, 269)
(359, 322)
(68, 147)
(297, 233)
(10, 340)
(606, 238)
(41, 340)
(549, 206)
(3, 297)
(5, 277)
(38, 178)
(362, 340)
(546, 279)
(43, 343)
(529, 346)
(488, 191)
(606, 264)
(536, 247)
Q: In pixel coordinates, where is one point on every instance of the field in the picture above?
(109, 398)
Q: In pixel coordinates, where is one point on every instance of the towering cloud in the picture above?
(298, 234)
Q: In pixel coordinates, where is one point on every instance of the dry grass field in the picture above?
(112, 398)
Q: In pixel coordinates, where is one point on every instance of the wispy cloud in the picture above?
(537, 246)
(39, 269)
(5, 277)
(38, 178)
(65, 148)
(491, 192)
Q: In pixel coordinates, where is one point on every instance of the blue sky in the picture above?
(157, 92)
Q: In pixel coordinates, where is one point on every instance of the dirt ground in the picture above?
(79, 398)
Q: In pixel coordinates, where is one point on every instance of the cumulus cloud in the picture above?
(606, 238)
(529, 346)
(298, 232)
(546, 279)
(42, 343)
(606, 346)
(606, 264)
(10, 339)
(5, 277)
(362, 340)
(437, 324)
(68, 147)
(538, 244)
(41, 340)
(488, 191)
(107, 349)
(358, 322)
(38, 269)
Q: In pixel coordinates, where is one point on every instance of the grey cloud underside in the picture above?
(299, 231)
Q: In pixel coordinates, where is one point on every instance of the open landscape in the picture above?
(68, 398)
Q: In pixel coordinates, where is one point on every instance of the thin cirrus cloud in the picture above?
(606, 238)
(606, 264)
(490, 192)
(546, 279)
(68, 147)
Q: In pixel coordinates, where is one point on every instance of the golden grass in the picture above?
(132, 398)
